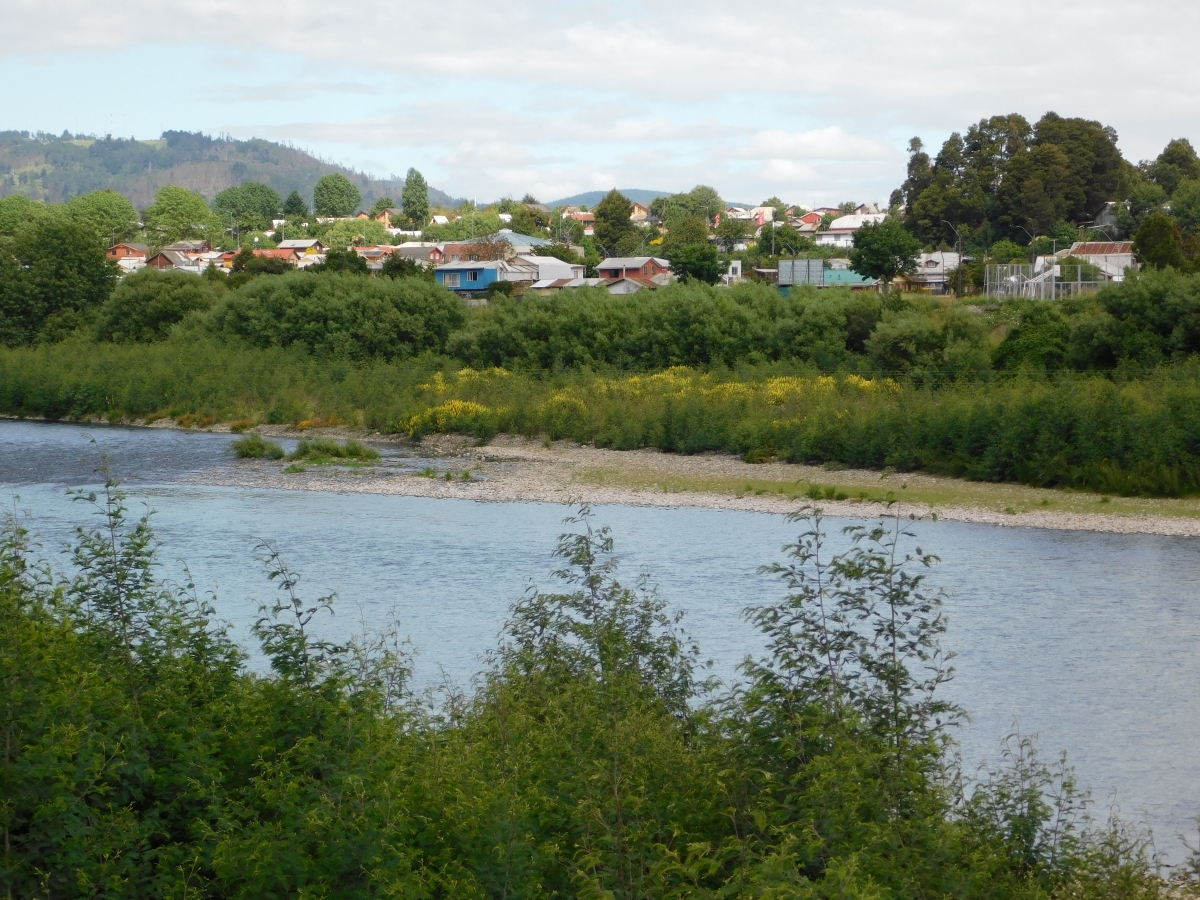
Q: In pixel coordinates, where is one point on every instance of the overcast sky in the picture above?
(812, 101)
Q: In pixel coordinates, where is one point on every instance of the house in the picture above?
(439, 220)
(375, 255)
(550, 268)
(1112, 258)
(841, 230)
(549, 286)
(168, 259)
(190, 247)
(471, 279)
(127, 251)
(931, 275)
(287, 255)
(640, 214)
(650, 267)
(587, 219)
(423, 252)
(303, 246)
(630, 284)
(808, 223)
(850, 279)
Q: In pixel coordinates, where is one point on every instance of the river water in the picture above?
(1089, 641)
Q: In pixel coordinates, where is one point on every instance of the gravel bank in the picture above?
(515, 469)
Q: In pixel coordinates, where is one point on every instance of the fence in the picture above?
(1055, 282)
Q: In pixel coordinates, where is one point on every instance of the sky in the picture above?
(813, 102)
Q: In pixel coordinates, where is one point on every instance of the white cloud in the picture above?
(561, 91)
(822, 143)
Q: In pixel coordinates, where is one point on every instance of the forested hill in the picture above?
(57, 168)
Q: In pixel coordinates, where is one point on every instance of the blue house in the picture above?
(470, 279)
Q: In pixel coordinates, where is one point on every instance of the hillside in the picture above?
(591, 198)
(55, 169)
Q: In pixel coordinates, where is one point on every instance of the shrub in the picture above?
(341, 315)
(146, 305)
(253, 446)
(323, 448)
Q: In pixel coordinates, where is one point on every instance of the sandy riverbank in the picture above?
(516, 469)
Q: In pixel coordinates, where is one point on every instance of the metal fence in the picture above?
(1043, 283)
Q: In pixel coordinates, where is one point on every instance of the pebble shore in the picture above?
(516, 469)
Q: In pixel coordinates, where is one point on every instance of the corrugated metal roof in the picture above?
(1101, 248)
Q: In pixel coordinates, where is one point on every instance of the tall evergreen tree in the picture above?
(416, 198)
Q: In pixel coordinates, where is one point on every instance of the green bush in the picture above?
(325, 448)
(146, 305)
(341, 315)
(253, 446)
(592, 758)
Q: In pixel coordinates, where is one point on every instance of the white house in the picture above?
(841, 230)
(551, 268)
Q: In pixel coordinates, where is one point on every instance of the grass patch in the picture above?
(940, 494)
(295, 469)
(323, 451)
(254, 446)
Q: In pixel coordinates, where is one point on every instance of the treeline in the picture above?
(591, 758)
(1142, 323)
(1048, 184)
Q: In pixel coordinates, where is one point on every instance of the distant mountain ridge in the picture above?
(591, 198)
(57, 168)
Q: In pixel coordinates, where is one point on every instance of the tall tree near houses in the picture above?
(335, 196)
(884, 250)
(415, 198)
(615, 234)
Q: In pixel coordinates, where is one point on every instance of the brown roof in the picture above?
(1103, 248)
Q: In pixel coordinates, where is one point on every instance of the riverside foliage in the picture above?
(1098, 392)
(143, 757)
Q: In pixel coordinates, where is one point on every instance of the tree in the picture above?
(701, 201)
(698, 262)
(253, 205)
(415, 199)
(335, 196)
(615, 234)
(339, 260)
(247, 261)
(1159, 242)
(690, 230)
(1175, 164)
(779, 206)
(733, 231)
(147, 304)
(53, 276)
(106, 214)
(294, 205)
(1004, 175)
(789, 241)
(1185, 205)
(1006, 251)
(352, 232)
(381, 204)
(884, 250)
(397, 266)
(179, 215)
(1145, 197)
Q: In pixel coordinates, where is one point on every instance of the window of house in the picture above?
(451, 279)
(472, 276)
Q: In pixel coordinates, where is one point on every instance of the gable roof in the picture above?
(630, 262)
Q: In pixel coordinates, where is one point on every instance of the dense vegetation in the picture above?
(1093, 392)
(142, 757)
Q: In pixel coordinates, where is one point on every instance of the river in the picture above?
(1087, 640)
